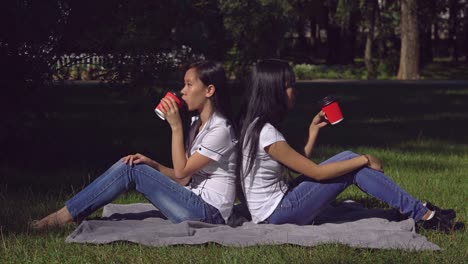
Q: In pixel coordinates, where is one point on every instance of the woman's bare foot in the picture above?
(56, 219)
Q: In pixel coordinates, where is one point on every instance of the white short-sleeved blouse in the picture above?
(263, 186)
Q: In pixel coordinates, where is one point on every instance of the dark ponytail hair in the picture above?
(212, 73)
(266, 99)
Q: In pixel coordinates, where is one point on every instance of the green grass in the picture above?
(418, 130)
(440, 69)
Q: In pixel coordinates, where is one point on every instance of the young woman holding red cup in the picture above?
(201, 184)
(264, 154)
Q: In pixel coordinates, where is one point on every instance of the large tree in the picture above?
(454, 10)
(427, 17)
(409, 54)
(465, 43)
(370, 10)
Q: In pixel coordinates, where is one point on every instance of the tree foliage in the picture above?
(30, 35)
(136, 36)
(145, 41)
(256, 29)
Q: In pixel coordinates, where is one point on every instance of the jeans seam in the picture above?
(156, 179)
(296, 201)
(177, 190)
(101, 190)
(394, 188)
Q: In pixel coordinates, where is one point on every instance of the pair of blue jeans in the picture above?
(172, 199)
(307, 198)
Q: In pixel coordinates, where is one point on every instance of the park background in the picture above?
(80, 80)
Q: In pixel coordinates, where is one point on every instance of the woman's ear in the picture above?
(210, 90)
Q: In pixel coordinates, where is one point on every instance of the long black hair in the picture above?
(212, 73)
(266, 100)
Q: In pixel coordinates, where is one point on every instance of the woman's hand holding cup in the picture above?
(169, 95)
(170, 109)
(331, 109)
(318, 122)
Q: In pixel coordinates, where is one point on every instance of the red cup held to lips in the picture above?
(158, 108)
(331, 109)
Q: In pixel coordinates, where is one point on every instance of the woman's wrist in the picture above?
(367, 160)
(155, 165)
(176, 128)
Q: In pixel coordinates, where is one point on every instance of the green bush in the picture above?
(307, 71)
(310, 72)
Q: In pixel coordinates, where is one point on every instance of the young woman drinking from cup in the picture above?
(201, 186)
(264, 154)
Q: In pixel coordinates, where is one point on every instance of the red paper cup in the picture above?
(158, 108)
(331, 109)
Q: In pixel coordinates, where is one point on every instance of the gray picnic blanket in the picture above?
(348, 223)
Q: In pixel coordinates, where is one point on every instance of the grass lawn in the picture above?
(417, 129)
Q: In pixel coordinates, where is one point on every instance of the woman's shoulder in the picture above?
(219, 126)
(269, 128)
(219, 121)
(270, 133)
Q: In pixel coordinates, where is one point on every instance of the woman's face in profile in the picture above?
(194, 91)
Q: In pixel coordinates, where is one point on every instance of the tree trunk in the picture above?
(302, 47)
(466, 33)
(436, 41)
(368, 57)
(381, 50)
(427, 19)
(409, 54)
(426, 55)
(341, 43)
(351, 37)
(314, 38)
(453, 22)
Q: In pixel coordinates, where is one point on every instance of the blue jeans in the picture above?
(172, 199)
(307, 198)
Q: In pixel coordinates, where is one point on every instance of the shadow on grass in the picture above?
(386, 114)
(87, 129)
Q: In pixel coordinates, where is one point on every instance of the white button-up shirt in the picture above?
(215, 182)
